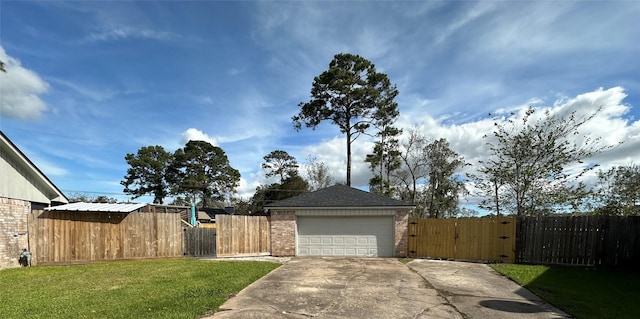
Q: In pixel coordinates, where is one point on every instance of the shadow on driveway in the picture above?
(478, 291)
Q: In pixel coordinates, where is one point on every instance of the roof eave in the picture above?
(55, 193)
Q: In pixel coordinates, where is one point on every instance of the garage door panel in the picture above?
(350, 241)
(369, 236)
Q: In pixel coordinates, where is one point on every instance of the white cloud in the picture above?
(19, 90)
(555, 27)
(237, 71)
(316, 33)
(205, 100)
(46, 167)
(250, 107)
(247, 189)
(97, 95)
(333, 153)
(193, 134)
(52, 170)
(479, 9)
(126, 32)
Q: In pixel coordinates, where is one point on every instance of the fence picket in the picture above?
(581, 240)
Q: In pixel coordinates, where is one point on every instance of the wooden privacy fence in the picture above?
(64, 236)
(583, 240)
(489, 239)
(199, 241)
(242, 235)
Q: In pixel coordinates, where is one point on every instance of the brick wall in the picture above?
(13, 230)
(401, 240)
(283, 233)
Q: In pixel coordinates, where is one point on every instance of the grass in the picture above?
(583, 292)
(169, 288)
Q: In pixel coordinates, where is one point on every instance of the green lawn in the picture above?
(584, 292)
(171, 288)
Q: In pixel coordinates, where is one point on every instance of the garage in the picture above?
(339, 221)
(370, 236)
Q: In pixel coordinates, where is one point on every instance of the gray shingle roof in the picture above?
(339, 196)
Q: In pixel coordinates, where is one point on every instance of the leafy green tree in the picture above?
(290, 187)
(105, 199)
(386, 154)
(147, 172)
(413, 168)
(183, 200)
(85, 198)
(527, 171)
(317, 174)
(258, 200)
(488, 183)
(618, 191)
(349, 94)
(444, 187)
(280, 163)
(468, 213)
(427, 177)
(203, 169)
(242, 206)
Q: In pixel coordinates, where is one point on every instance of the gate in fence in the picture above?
(486, 239)
(234, 235)
(199, 242)
(240, 235)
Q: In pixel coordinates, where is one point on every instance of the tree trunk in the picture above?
(348, 158)
(497, 199)
(383, 159)
(433, 212)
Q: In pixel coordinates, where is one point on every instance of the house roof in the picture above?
(35, 176)
(98, 207)
(211, 212)
(203, 215)
(339, 196)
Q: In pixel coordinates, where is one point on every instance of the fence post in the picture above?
(518, 253)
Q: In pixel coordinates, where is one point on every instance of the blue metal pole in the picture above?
(193, 214)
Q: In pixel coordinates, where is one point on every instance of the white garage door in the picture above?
(370, 236)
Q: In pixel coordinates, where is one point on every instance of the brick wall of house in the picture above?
(283, 233)
(401, 239)
(13, 230)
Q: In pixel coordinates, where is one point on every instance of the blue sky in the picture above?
(88, 82)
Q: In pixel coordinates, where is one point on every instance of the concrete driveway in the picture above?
(384, 288)
(339, 288)
(477, 291)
